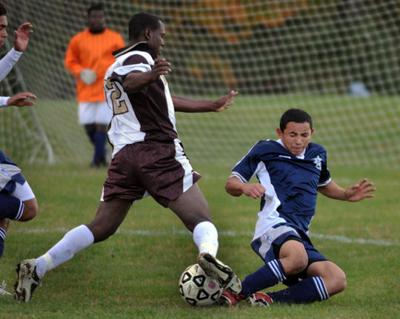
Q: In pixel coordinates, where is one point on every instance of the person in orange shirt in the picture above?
(88, 55)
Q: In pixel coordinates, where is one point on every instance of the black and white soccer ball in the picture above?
(198, 289)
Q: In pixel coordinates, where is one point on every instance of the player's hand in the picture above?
(161, 67)
(88, 76)
(224, 102)
(361, 190)
(253, 190)
(22, 36)
(22, 99)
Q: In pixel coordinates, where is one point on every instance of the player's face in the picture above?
(3, 30)
(156, 39)
(296, 136)
(96, 21)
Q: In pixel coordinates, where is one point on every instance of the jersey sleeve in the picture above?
(325, 177)
(134, 63)
(247, 166)
(8, 61)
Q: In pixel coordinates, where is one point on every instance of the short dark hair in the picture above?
(3, 10)
(140, 22)
(295, 115)
(95, 7)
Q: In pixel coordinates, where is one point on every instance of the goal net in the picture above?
(337, 59)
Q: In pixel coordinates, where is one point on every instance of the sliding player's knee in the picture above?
(296, 266)
(31, 209)
(338, 283)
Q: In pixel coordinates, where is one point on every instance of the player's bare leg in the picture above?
(333, 276)
(192, 208)
(108, 218)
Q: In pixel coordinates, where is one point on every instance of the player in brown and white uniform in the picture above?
(148, 158)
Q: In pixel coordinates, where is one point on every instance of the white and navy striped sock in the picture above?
(308, 290)
(320, 286)
(277, 269)
(3, 234)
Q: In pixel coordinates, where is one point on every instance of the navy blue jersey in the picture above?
(291, 182)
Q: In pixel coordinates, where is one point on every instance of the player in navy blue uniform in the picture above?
(290, 173)
(17, 201)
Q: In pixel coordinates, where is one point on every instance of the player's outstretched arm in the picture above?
(355, 193)
(236, 187)
(136, 81)
(22, 99)
(22, 35)
(183, 104)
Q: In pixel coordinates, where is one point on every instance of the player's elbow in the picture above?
(232, 191)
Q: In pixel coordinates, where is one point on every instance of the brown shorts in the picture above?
(159, 169)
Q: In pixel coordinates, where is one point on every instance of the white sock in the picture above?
(73, 242)
(205, 236)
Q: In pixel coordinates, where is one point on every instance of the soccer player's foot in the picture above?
(229, 298)
(260, 299)
(27, 280)
(220, 272)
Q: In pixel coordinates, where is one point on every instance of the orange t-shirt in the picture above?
(92, 51)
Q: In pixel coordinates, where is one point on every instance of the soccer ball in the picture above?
(198, 289)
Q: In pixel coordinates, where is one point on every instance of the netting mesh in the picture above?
(337, 59)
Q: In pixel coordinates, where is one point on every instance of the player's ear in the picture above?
(147, 34)
(279, 132)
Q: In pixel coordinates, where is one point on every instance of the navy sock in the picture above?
(3, 234)
(99, 148)
(267, 276)
(306, 291)
(10, 207)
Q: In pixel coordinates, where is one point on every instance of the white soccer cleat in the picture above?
(220, 272)
(260, 299)
(27, 280)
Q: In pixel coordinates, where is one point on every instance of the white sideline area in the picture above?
(222, 233)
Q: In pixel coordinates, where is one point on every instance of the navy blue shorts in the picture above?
(268, 246)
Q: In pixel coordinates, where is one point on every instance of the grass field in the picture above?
(355, 131)
(134, 274)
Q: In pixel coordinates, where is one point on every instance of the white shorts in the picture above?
(23, 192)
(94, 113)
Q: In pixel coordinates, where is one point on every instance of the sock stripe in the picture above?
(3, 233)
(20, 211)
(276, 268)
(320, 285)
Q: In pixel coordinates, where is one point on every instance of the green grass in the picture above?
(355, 131)
(132, 275)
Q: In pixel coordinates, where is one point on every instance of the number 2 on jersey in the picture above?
(118, 103)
